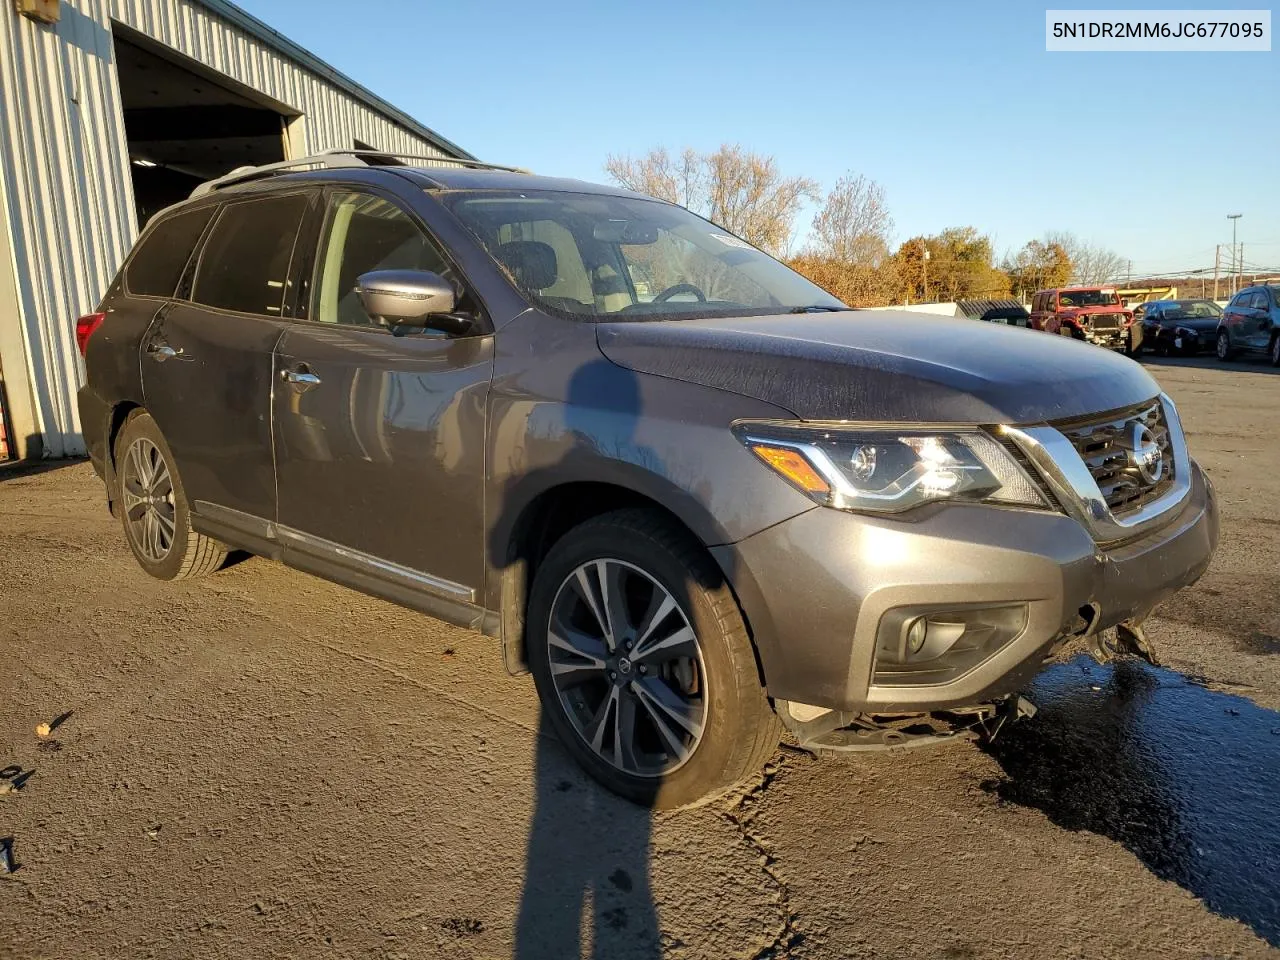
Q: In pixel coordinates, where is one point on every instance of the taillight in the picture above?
(85, 327)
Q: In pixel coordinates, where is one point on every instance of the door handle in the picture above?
(299, 377)
(160, 352)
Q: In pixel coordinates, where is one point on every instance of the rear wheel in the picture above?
(153, 508)
(643, 663)
(1224, 350)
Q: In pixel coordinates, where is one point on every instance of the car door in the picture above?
(1234, 319)
(1259, 321)
(380, 437)
(207, 364)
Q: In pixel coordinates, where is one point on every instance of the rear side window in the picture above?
(245, 265)
(160, 259)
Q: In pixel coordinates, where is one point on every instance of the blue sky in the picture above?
(955, 108)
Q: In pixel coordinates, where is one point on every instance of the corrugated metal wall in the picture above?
(66, 163)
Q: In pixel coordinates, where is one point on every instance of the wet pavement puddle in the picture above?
(1186, 778)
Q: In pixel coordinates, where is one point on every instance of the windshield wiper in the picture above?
(817, 308)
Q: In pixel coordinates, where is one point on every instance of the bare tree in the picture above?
(1091, 262)
(854, 224)
(740, 190)
(658, 174)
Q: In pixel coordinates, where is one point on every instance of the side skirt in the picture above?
(443, 599)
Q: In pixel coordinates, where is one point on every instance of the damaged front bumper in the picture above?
(821, 590)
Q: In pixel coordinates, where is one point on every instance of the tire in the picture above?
(1224, 351)
(164, 544)
(713, 681)
(1065, 331)
(1275, 351)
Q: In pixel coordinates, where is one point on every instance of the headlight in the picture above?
(890, 469)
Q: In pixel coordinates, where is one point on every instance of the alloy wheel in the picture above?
(148, 500)
(627, 668)
(1223, 346)
(1275, 352)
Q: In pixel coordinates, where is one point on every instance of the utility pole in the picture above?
(1217, 254)
(925, 262)
(1234, 218)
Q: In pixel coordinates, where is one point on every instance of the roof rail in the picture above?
(338, 159)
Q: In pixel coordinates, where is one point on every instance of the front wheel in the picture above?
(1224, 350)
(153, 507)
(1275, 351)
(643, 664)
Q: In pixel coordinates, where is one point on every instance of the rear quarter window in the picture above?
(245, 264)
(163, 253)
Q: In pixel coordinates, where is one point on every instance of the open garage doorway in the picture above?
(186, 124)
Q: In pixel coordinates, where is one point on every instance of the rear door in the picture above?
(1235, 317)
(1259, 321)
(380, 437)
(207, 360)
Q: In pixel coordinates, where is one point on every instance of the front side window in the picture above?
(160, 259)
(245, 264)
(623, 258)
(363, 233)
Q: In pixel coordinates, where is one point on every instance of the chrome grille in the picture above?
(1106, 445)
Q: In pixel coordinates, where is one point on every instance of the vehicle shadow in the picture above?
(586, 883)
(1244, 364)
(1182, 776)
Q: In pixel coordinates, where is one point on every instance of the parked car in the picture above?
(1251, 324)
(1094, 314)
(693, 515)
(1182, 327)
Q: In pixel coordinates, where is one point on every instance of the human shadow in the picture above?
(1182, 776)
(586, 869)
(586, 877)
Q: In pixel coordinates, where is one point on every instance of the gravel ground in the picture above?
(261, 764)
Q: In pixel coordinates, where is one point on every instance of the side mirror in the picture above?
(411, 298)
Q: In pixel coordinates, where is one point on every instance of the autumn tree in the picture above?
(1039, 265)
(738, 189)
(959, 266)
(857, 284)
(854, 223)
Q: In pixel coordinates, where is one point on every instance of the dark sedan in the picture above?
(1181, 327)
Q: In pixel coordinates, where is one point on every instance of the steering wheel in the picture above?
(676, 288)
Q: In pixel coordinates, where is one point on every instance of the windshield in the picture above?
(1088, 298)
(623, 258)
(1191, 310)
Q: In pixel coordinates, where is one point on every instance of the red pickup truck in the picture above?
(1095, 314)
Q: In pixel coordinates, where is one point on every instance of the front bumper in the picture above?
(816, 587)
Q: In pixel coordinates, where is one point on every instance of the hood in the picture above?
(1199, 324)
(885, 366)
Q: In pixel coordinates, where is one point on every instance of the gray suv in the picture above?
(696, 496)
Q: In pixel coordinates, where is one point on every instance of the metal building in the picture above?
(111, 110)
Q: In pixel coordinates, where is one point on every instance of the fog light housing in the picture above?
(919, 646)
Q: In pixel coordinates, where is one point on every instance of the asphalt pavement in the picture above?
(261, 764)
